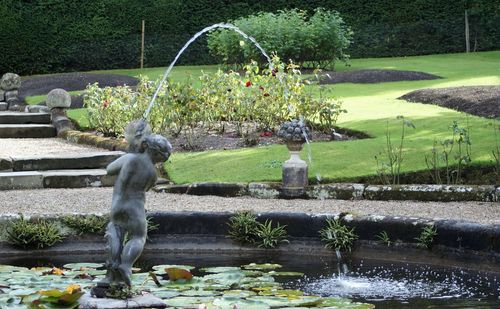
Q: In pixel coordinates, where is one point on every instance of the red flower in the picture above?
(105, 103)
(266, 94)
(248, 83)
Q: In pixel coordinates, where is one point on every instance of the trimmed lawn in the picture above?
(370, 108)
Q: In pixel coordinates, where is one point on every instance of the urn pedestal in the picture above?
(294, 175)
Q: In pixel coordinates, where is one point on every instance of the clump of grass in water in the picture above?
(245, 229)
(269, 236)
(337, 235)
(426, 238)
(384, 238)
(33, 234)
(92, 224)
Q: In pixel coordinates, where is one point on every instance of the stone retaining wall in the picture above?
(344, 191)
(9, 92)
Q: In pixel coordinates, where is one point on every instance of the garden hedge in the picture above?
(41, 36)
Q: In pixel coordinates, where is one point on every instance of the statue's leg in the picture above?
(133, 249)
(114, 235)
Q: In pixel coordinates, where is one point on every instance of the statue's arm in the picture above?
(114, 167)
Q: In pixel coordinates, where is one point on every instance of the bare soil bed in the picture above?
(476, 100)
(373, 76)
(39, 85)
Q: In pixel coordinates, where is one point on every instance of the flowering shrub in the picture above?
(258, 100)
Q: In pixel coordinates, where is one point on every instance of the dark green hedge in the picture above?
(40, 36)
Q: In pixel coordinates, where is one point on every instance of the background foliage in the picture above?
(41, 36)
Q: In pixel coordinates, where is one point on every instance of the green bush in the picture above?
(320, 39)
(43, 36)
(33, 234)
(260, 100)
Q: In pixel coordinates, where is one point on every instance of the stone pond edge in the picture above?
(201, 230)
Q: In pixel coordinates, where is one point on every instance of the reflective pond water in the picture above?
(386, 284)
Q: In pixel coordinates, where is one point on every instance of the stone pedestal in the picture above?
(294, 175)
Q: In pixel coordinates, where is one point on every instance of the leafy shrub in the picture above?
(269, 236)
(244, 228)
(86, 224)
(426, 238)
(321, 39)
(33, 234)
(260, 99)
(337, 235)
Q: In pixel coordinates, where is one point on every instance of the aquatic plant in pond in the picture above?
(249, 286)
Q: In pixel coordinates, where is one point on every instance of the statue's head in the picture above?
(158, 147)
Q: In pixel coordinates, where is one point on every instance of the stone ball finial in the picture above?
(294, 131)
(58, 98)
(10, 81)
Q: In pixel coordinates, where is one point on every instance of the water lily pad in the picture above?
(285, 273)
(199, 293)
(282, 292)
(82, 266)
(165, 294)
(220, 269)
(265, 266)
(175, 274)
(239, 293)
(160, 269)
(185, 301)
(235, 302)
(10, 269)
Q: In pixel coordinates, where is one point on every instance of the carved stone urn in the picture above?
(295, 170)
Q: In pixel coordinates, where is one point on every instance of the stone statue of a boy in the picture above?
(136, 175)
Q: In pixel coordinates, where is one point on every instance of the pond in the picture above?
(393, 281)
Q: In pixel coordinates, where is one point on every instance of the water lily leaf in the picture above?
(265, 266)
(229, 278)
(53, 271)
(272, 301)
(23, 292)
(175, 274)
(235, 302)
(52, 293)
(239, 293)
(10, 269)
(184, 301)
(160, 269)
(82, 266)
(70, 298)
(285, 273)
(253, 273)
(220, 269)
(282, 292)
(164, 294)
(199, 293)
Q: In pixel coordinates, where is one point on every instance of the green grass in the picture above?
(369, 106)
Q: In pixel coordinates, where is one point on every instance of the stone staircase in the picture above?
(35, 170)
(26, 125)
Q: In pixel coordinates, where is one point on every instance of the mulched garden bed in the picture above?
(476, 100)
(373, 76)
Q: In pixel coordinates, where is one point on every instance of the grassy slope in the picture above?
(369, 107)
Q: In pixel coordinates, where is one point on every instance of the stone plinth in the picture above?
(294, 175)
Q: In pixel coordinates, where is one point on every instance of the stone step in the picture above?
(56, 179)
(82, 161)
(24, 118)
(27, 131)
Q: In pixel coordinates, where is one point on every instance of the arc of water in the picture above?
(198, 34)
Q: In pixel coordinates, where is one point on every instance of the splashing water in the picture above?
(309, 150)
(204, 30)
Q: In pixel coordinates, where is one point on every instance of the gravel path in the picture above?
(47, 147)
(98, 200)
